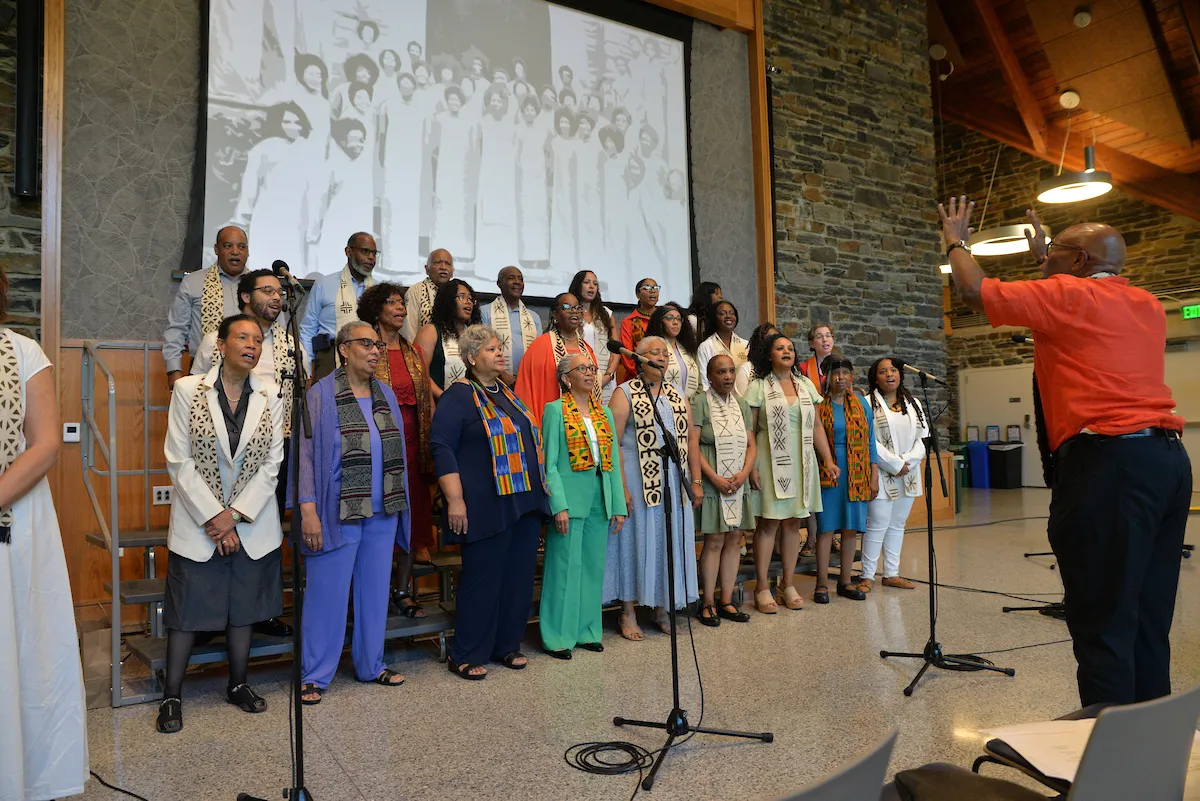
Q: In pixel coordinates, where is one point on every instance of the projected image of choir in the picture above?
(583, 164)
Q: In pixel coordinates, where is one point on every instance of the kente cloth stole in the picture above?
(426, 292)
(212, 302)
(355, 501)
(501, 324)
(510, 465)
(858, 447)
(778, 423)
(12, 420)
(560, 353)
(285, 364)
(416, 371)
(579, 448)
(345, 309)
(729, 434)
(202, 431)
(637, 326)
(674, 370)
(646, 433)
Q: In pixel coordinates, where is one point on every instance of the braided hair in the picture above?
(902, 394)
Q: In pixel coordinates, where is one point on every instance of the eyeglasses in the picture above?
(658, 352)
(567, 307)
(468, 298)
(1053, 244)
(369, 344)
(649, 287)
(672, 318)
(367, 251)
(269, 291)
(586, 369)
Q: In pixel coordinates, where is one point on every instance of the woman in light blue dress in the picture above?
(636, 568)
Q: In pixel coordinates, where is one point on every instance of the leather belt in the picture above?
(1163, 433)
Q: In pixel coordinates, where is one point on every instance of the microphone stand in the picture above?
(676, 724)
(933, 654)
(300, 418)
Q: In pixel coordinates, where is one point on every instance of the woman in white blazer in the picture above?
(223, 450)
(900, 430)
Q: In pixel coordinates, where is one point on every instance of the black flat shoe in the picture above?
(273, 628)
(594, 647)
(170, 715)
(853, 593)
(737, 615)
(246, 699)
(510, 661)
(711, 618)
(821, 596)
(562, 653)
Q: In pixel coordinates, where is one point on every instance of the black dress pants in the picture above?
(1117, 519)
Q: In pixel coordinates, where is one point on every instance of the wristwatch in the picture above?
(236, 515)
(959, 244)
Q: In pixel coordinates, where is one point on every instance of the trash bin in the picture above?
(959, 449)
(1004, 463)
(977, 464)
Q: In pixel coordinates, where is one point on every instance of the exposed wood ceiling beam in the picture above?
(1164, 56)
(1032, 116)
(1173, 191)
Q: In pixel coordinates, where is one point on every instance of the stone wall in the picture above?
(1163, 247)
(20, 218)
(854, 156)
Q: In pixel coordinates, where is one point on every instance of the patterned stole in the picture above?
(455, 367)
(560, 353)
(416, 371)
(503, 328)
(729, 434)
(12, 419)
(579, 448)
(890, 484)
(510, 465)
(673, 375)
(355, 501)
(858, 448)
(285, 364)
(646, 434)
(202, 431)
(737, 350)
(212, 302)
(345, 309)
(426, 292)
(778, 422)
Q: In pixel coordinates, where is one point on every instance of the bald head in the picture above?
(1086, 249)
(232, 250)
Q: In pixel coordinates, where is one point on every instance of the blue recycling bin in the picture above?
(977, 455)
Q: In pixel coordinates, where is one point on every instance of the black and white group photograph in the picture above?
(515, 132)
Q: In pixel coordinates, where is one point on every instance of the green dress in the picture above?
(709, 519)
(765, 502)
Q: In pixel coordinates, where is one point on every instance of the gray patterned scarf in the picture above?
(355, 502)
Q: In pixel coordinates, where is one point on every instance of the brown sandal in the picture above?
(767, 607)
(791, 598)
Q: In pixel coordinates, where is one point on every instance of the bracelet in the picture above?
(697, 481)
(958, 244)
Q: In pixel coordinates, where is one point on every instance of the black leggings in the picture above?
(179, 652)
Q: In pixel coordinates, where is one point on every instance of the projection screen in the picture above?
(505, 131)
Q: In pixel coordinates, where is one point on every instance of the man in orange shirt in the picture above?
(1122, 479)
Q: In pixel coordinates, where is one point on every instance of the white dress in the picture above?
(43, 717)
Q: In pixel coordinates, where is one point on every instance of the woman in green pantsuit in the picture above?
(587, 497)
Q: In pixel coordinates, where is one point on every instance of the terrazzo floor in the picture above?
(813, 677)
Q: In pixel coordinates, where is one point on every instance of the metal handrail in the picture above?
(91, 440)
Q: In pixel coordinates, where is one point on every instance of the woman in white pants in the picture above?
(900, 430)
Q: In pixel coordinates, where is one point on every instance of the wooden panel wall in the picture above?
(87, 564)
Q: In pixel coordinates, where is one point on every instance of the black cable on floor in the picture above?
(989, 592)
(114, 788)
(1022, 647)
(981, 525)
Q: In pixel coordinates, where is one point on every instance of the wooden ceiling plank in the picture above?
(1173, 191)
(1164, 55)
(1032, 117)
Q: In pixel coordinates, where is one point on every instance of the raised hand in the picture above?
(956, 223)
(1037, 237)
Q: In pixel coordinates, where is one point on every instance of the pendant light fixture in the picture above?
(1001, 240)
(1073, 187)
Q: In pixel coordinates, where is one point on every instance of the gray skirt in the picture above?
(232, 590)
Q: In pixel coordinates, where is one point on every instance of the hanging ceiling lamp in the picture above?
(1000, 240)
(1073, 187)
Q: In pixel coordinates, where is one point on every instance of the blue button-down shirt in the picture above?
(183, 318)
(514, 325)
(320, 314)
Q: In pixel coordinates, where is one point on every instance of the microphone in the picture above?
(615, 346)
(1021, 339)
(280, 268)
(913, 369)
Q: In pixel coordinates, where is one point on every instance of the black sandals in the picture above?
(385, 678)
(170, 715)
(246, 699)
